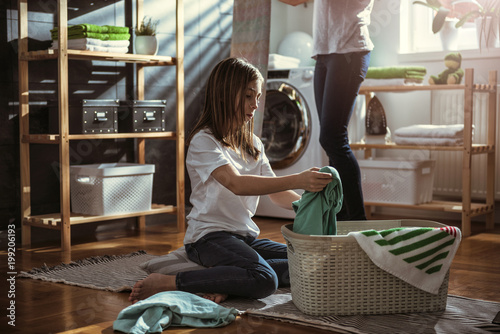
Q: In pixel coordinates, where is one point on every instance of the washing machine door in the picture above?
(286, 126)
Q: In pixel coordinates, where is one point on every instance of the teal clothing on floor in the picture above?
(172, 308)
(316, 212)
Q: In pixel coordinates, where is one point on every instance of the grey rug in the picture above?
(119, 273)
(114, 273)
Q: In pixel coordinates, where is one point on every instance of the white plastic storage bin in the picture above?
(397, 181)
(113, 188)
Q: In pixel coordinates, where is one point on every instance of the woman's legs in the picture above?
(337, 79)
(234, 267)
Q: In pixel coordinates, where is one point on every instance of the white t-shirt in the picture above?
(341, 26)
(216, 208)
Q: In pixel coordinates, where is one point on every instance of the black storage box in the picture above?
(89, 117)
(142, 116)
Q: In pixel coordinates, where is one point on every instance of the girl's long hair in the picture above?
(224, 109)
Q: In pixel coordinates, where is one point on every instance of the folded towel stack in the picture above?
(395, 75)
(430, 135)
(104, 33)
(92, 37)
(93, 44)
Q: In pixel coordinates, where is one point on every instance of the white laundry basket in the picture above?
(332, 275)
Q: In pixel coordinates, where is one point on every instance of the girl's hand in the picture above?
(314, 181)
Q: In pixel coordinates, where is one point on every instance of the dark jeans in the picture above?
(337, 79)
(237, 265)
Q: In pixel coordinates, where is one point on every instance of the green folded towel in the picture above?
(117, 30)
(87, 27)
(406, 72)
(101, 36)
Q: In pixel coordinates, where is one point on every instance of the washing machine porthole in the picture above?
(286, 126)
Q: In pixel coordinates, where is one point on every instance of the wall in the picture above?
(208, 27)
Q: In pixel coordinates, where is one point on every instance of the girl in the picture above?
(228, 171)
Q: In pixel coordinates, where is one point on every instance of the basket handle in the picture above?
(289, 246)
(83, 179)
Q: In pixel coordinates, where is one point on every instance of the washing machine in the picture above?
(290, 129)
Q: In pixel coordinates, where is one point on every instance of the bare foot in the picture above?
(152, 285)
(215, 297)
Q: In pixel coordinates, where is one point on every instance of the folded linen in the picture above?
(96, 48)
(87, 27)
(409, 72)
(431, 131)
(392, 82)
(279, 61)
(73, 43)
(101, 36)
(427, 141)
(420, 256)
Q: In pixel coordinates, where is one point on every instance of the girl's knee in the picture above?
(266, 284)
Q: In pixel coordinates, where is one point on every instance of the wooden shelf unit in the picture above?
(466, 207)
(64, 219)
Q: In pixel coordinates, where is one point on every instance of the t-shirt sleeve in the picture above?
(205, 155)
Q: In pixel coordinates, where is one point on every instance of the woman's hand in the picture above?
(313, 180)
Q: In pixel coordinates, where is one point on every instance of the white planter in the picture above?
(487, 33)
(449, 35)
(146, 45)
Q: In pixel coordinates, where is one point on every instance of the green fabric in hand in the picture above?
(316, 212)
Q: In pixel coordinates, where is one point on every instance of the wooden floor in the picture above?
(44, 307)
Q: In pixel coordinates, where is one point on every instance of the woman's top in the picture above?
(341, 26)
(216, 208)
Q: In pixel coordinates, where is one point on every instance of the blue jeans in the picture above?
(237, 265)
(337, 79)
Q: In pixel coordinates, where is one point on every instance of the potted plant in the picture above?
(486, 17)
(145, 37)
(444, 22)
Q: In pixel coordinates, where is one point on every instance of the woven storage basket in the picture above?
(332, 275)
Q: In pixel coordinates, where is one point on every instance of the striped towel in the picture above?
(420, 256)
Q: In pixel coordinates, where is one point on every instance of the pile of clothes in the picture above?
(395, 75)
(92, 37)
(429, 134)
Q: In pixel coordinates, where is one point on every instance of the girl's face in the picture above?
(252, 96)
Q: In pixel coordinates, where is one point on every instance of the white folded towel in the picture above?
(427, 141)
(420, 256)
(391, 82)
(277, 61)
(431, 131)
(97, 48)
(79, 43)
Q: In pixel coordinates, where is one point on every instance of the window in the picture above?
(416, 29)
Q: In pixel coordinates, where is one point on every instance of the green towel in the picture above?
(87, 30)
(172, 308)
(96, 35)
(117, 30)
(87, 27)
(405, 72)
(316, 212)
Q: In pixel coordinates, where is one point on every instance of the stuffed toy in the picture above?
(453, 74)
